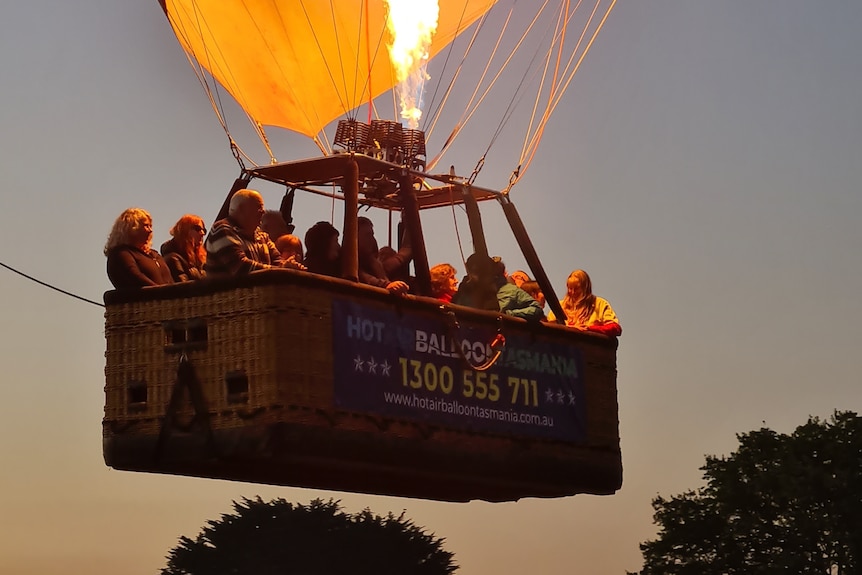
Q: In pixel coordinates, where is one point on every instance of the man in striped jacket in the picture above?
(236, 245)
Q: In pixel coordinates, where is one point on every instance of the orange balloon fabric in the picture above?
(300, 64)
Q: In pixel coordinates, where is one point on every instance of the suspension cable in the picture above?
(537, 137)
(471, 107)
(47, 285)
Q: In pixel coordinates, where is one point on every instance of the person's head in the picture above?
(365, 236)
(518, 278)
(189, 233)
(134, 227)
(499, 268)
(481, 266)
(289, 246)
(321, 242)
(579, 300)
(443, 280)
(532, 288)
(273, 224)
(246, 209)
(189, 229)
(578, 286)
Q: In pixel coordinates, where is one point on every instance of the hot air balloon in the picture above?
(290, 378)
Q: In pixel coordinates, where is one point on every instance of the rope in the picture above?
(215, 102)
(368, 59)
(47, 285)
(320, 50)
(439, 110)
(473, 104)
(349, 104)
(455, 223)
(497, 345)
(433, 99)
(537, 136)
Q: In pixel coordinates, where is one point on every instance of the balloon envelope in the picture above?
(300, 64)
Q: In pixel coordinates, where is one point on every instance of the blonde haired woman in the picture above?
(586, 311)
(184, 252)
(132, 263)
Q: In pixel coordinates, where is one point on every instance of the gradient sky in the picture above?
(705, 168)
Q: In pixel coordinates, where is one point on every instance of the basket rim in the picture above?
(341, 287)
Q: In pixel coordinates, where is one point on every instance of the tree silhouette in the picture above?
(779, 504)
(278, 537)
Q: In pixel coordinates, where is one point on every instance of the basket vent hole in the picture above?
(197, 333)
(136, 393)
(237, 386)
(185, 335)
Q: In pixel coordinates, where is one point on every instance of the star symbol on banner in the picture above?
(560, 396)
(357, 363)
(549, 395)
(372, 366)
(385, 367)
(571, 398)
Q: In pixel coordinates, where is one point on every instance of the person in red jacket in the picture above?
(586, 311)
(444, 282)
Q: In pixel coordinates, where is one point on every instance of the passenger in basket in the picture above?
(132, 263)
(586, 311)
(236, 245)
(290, 248)
(323, 252)
(513, 300)
(444, 282)
(518, 278)
(532, 288)
(184, 252)
(371, 270)
(274, 225)
(478, 289)
(396, 264)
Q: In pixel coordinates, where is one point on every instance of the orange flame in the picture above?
(412, 24)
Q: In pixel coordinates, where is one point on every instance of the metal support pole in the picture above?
(413, 222)
(239, 184)
(474, 218)
(532, 258)
(349, 239)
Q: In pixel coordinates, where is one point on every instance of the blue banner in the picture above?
(418, 367)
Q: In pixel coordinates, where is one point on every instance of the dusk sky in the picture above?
(704, 168)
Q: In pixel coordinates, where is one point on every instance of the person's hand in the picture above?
(398, 287)
(291, 263)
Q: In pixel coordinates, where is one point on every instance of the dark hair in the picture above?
(272, 222)
(499, 266)
(480, 265)
(532, 288)
(318, 238)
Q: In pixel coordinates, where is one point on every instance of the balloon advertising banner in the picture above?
(423, 368)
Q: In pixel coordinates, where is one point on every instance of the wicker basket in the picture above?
(262, 352)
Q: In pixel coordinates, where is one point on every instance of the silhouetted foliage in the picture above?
(779, 504)
(277, 537)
